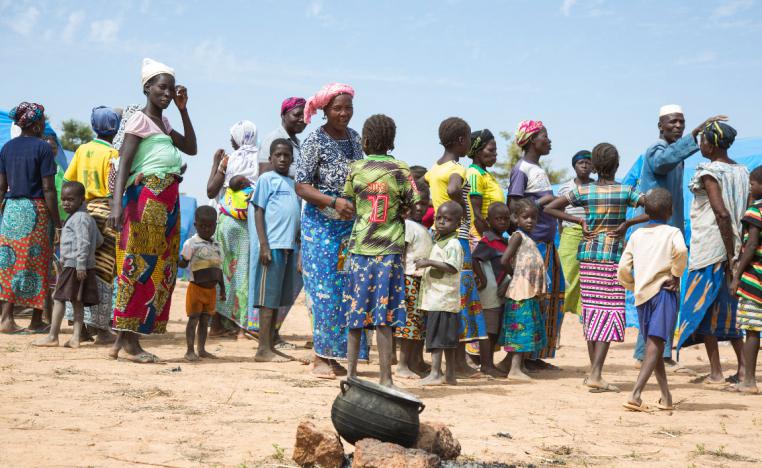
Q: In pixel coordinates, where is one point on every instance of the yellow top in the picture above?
(485, 185)
(91, 166)
(438, 177)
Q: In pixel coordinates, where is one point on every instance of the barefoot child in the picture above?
(418, 244)
(76, 283)
(658, 255)
(523, 324)
(440, 288)
(276, 216)
(203, 255)
(383, 191)
(746, 283)
(490, 274)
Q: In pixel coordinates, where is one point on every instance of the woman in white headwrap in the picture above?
(242, 168)
(146, 212)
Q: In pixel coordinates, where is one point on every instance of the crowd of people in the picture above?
(438, 259)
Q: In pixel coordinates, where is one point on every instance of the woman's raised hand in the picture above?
(181, 97)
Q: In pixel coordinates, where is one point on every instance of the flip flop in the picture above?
(18, 331)
(662, 407)
(641, 408)
(710, 383)
(733, 379)
(140, 358)
(608, 388)
(285, 345)
(735, 389)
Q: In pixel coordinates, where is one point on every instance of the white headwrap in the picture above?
(152, 68)
(244, 160)
(670, 109)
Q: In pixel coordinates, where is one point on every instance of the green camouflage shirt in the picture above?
(382, 191)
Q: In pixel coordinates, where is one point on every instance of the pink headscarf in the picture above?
(323, 97)
(526, 129)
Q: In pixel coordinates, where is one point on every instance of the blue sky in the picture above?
(592, 70)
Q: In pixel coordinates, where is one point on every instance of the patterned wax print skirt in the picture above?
(602, 302)
(415, 319)
(375, 293)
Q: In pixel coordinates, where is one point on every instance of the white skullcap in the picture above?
(15, 130)
(670, 109)
(152, 68)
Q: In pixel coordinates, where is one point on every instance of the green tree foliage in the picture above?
(502, 169)
(75, 133)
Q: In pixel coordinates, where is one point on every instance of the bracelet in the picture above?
(333, 203)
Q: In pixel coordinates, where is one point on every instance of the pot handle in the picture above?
(421, 408)
(343, 385)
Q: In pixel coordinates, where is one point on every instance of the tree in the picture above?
(75, 133)
(502, 169)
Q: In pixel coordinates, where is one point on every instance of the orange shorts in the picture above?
(200, 300)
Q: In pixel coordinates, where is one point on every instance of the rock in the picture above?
(437, 438)
(371, 453)
(317, 447)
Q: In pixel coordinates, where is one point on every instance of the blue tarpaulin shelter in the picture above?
(188, 207)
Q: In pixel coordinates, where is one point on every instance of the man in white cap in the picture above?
(663, 164)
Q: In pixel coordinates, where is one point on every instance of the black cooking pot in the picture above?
(367, 410)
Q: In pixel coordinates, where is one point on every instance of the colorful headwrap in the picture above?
(720, 134)
(525, 131)
(104, 121)
(27, 113)
(479, 140)
(582, 154)
(323, 97)
(292, 103)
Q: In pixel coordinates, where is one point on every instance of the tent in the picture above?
(188, 207)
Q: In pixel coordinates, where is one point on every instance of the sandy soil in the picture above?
(61, 407)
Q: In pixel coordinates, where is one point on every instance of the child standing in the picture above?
(658, 255)
(382, 191)
(490, 274)
(523, 324)
(276, 279)
(76, 283)
(418, 244)
(440, 286)
(203, 255)
(746, 283)
(603, 299)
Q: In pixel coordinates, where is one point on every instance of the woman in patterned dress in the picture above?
(146, 213)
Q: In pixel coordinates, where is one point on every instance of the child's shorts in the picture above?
(200, 300)
(749, 315)
(658, 315)
(494, 319)
(442, 330)
(276, 285)
(68, 287)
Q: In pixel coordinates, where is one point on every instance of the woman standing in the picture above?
(529, 180)
(91, 167)
(720, 194)
(29, 212)
(448, 182)
(571, 234)
(485, 189)
(327, 222)
(146, 212)
(232, 230)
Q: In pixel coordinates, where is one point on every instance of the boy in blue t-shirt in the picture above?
(276, 216)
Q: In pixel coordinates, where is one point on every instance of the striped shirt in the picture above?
(605, 209)
(751, 280)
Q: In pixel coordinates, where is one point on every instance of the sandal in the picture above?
(641, 408)
(327, 374)
(662, 407)
(140, 358)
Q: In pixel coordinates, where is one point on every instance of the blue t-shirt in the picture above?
(25, 161)
(276, 195)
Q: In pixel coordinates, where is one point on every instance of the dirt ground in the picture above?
(61, 407)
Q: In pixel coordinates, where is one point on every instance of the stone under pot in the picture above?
(368, 410)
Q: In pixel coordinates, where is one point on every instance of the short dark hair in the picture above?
(205, 213)
(520, 205)
(75, 186)
(756, 175)
(496, 206)
(605, 159)
(451, 205)
(379, 131)
(281, 141)
(658, 202)
(418, 172)
(451, 129)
